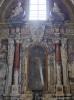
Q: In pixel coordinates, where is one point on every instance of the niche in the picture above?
(37, 68)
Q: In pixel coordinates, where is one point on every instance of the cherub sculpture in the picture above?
(17, 15)
(18, 10)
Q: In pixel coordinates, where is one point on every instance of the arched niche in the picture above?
(37, 68)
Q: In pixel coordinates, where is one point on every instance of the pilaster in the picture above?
(10, 65)
(58, 64)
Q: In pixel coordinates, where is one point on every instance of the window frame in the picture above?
(38, 10)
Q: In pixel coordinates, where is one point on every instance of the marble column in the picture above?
(64, 57)
(16, 67)
(10, 65)
(58, 62)
(64, 61)
(16, 62)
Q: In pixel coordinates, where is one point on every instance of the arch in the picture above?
(37, 62)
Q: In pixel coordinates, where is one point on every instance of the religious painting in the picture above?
(37, 68)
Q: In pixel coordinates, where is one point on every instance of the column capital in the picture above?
(57, 37)
(57, 41)
(17, 41)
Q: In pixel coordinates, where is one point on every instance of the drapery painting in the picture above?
(37, 68)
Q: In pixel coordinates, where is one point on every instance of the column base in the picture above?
(59, 90)
(15, 90)
(27, 96)
(67, 90)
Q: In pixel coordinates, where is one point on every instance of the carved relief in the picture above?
(37, 32)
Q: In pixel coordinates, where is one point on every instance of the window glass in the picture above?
(37, 10)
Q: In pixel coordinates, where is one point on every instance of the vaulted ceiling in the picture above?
(6, 6)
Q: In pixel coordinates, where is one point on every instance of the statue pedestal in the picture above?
(59, 90)
(67, 90)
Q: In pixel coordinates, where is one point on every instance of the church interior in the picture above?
(36, 49)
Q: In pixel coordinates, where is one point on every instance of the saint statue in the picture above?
(17, 15)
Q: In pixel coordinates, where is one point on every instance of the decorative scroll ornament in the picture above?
(37, 33)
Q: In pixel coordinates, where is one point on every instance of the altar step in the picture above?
(44, 97)
(50, 97)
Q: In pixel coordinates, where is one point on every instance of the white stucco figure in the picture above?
(17, 10)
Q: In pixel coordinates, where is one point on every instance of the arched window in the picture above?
(37, 10)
